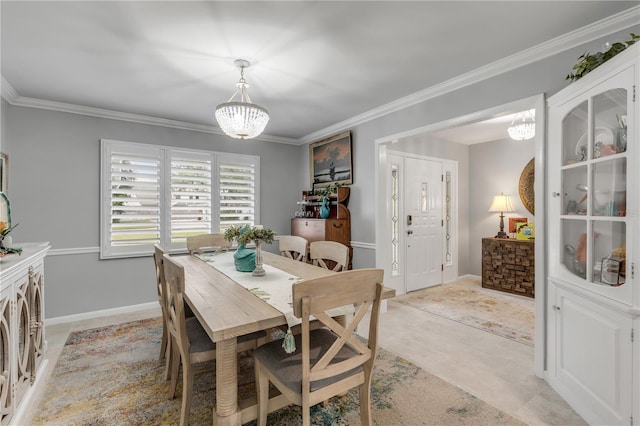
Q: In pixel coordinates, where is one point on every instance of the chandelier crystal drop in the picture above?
(243, 119)
(522, 127)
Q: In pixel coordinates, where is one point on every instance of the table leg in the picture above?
(226, 410)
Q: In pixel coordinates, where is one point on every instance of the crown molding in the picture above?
(598, 29)
(13, 98)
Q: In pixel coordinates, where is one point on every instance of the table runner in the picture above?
(274, 288)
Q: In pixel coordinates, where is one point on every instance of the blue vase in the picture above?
(244, 259)
(325, 211)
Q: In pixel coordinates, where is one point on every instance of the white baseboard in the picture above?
(103, 313)
(468, 277)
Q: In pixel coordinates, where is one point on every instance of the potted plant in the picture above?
(247, 260)
(324, 194)
(587, 62)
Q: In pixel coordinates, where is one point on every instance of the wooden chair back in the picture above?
(176, 320)
(313, 298)
(329, 255)
(197, 243)
(333, 359)
(294, 247)
(161, 284)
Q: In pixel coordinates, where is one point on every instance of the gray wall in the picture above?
(54, 176)
(54, 173)
(4, 108)
(494, 167)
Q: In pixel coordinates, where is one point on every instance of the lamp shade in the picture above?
(501, 203)
(244, 119)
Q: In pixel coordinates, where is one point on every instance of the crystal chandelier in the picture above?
(241, 120)
(522, 127)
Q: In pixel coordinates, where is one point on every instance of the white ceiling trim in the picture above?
(13, 98)
(614, 23)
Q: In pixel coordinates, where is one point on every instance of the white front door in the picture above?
(423, 223)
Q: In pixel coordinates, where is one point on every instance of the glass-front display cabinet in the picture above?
(592, 314)
(592, 189)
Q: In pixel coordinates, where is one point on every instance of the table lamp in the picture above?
(501, 203)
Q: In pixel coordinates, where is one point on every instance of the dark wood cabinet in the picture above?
(337, 227)
(509, 265)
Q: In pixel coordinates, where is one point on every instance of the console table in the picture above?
(21, 329)
(509, 265)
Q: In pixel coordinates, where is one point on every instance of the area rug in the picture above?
(112, 376)
(467, 302)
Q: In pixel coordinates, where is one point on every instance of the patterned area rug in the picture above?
(466, 301)
(112, 376)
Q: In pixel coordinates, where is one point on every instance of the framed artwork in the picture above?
(514, 221)
(330, 161)
(4, 172)
(526, 231)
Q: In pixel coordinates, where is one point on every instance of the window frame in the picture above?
(164, 154)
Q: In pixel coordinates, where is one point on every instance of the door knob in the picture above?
(409, 232)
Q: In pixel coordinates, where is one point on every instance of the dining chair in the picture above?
(336, 253)
(165, 344)
(294, 247)
(328, 361)
(190, 343)
(197, 243)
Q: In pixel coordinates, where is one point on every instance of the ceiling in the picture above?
(315, 64)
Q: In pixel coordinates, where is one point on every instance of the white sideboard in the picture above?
(22, 334)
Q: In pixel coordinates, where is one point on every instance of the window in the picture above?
(161, 195)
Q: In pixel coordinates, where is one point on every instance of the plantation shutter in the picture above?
(238, 198)
(161, 195)
(134, 200)
(191, 201)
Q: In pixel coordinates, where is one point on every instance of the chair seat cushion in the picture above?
(198, 338)
(288, 367)
(200, 341)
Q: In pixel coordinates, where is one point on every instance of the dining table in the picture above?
(227, 310)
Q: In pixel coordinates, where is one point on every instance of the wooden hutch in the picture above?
(337, 227)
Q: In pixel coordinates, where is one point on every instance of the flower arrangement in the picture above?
(245, 234)
(246, 260)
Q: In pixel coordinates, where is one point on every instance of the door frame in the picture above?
(382, 144)
(449, 273)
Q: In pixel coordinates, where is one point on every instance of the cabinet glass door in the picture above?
(593, 176)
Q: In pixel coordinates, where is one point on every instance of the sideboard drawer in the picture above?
(311, 229)
(337, 230)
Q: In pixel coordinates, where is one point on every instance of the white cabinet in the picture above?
(593, 240)
(22, 337)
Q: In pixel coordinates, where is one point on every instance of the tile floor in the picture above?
(496, 370)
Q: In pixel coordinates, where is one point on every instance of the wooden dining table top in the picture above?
(226, 309)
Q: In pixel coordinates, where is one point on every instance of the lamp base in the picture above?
(501, 233)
